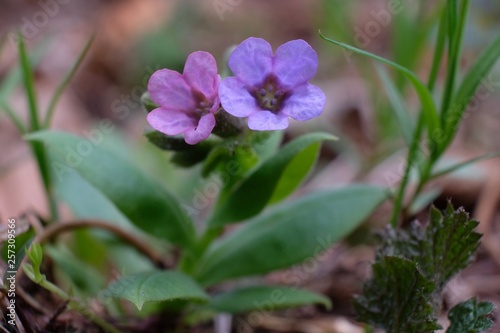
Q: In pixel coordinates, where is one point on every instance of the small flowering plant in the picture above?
(196, 117)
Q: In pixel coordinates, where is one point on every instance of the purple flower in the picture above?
(270, 88)
(187, 101)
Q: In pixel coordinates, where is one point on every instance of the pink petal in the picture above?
(306, 102)
(168, 89)
(267, 121)
(252, 60)
(170, 122)
(200, 71)
(236, 99)
(295, 63)
(202, 131)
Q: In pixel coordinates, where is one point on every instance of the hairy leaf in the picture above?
(397, 298)
(470, 317)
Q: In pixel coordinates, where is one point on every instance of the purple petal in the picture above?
(295, 63)
(202, 131)
(170, 122)
(267, 121)
(200, 72)
(168, 89)
(306, 102)
(236, 99)
(252, 60)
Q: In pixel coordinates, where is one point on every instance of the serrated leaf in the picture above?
(156, 286)
(442, 249)
(289, 233)
(471, 317)
(396, 298)
(257, 190)
(142, 200)
(265, 298)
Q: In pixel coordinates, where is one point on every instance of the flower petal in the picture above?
(306, 102)
(200, 72)
(295, 63)
(236, 99)
(168, 89)
(267, 121)
(202, 131)
(252, 60)
(170, 122)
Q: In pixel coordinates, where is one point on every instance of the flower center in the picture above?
(203, 106)
(269, 96)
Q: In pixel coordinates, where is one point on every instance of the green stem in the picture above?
(13, 117)
(64, 83)
(412, 154)
(37, 148)
(438, 53)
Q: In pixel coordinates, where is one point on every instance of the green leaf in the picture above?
(441, 250)
(289, 233)
(428, 107)
(156, 286)
(398, 105)
(396, 298)
(265, 298)
(466, 91)
(296, 172)
(471, 317)
(142, 200)
(257, 190)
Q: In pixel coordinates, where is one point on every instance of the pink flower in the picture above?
(270, 88)
(187, 101)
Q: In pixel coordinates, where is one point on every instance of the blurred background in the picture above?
(133, 38)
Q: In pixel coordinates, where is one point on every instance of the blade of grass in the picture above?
(458, 166)
(438, 52)
(12, 79)
(398, 104)
(456, 28)
(428, 106)
(28, 84)
(466, 91)
(64, 83)
(37, 148)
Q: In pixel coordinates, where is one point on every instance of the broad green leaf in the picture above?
(86, 201)
(396, 298)
(289, 233)
(474, 77)
(471, 317)
(428, 107)
(85, 277)
(296, 172)
(142, 200)
(398, 105)
(156, 286)
(265, 298)
(257, 190)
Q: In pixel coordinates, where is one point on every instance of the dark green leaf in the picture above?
(441, 250)
(256, 191)
(265, 298)
(142, 200)
(155, 287)
(289, 233)
(396, 298)
(471, 317)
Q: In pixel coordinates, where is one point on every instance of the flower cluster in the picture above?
(267, 88)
